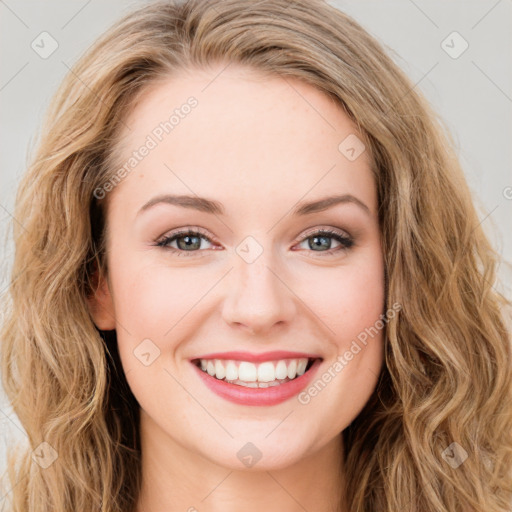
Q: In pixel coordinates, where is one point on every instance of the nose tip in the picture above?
(257, 299)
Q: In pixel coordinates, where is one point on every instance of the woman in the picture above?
(250, 275)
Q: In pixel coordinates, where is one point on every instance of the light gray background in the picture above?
(472, 93)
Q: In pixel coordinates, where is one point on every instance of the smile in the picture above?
(259, 381)
(262, 375)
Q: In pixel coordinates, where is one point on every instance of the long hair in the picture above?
(445, 390)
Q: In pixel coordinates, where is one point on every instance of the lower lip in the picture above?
(258, 396)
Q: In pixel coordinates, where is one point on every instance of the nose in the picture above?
(258, 297)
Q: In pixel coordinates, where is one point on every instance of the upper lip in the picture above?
(256, 358)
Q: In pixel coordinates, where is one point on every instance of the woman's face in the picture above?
(246, 165)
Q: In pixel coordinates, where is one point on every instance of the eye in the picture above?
(188, 240)
(321, 240)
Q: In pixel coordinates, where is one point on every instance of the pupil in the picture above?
(325, 242)
(188, 243)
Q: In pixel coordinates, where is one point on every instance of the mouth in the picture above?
(256, 375)
(266, 379)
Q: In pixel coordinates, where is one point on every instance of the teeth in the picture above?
(281, 370)
(301, 367)
(220, 371)
(292, 369)
(244, 373)
(231, 371)
(266, 372)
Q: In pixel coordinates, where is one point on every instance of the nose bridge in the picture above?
(256, 297)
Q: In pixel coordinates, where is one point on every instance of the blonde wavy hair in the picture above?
(447, 376)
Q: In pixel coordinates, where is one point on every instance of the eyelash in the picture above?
(346, 241)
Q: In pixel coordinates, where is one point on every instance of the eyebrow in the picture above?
(214, 207)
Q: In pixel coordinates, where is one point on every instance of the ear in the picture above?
(101, 305)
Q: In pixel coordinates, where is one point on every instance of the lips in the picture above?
(256, 379)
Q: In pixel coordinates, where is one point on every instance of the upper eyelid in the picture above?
(330, 231)
(186, 231)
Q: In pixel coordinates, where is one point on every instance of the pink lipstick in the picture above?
(262, 379)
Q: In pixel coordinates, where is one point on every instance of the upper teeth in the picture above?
(267, 371)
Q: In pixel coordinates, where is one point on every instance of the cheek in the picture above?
(159, 304)
(151, 299)
(352, 299)
(352, 305)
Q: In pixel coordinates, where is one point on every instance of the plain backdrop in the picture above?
(466, 76)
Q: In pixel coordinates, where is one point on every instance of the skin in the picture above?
(258, 146)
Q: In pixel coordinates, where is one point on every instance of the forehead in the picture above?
(248, 136)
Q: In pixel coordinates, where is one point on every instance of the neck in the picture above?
(178, 479)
